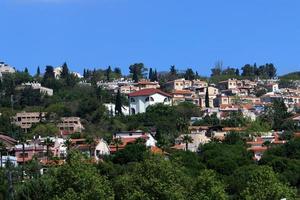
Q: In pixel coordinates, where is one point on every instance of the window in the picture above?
(147, 99)
(151, 99)
(132, 100)
(166, 100)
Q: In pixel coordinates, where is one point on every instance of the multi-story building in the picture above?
(25, 120)
(179, 96)
(178, 84)
(69, 125)
(140, 100)
(228, 84)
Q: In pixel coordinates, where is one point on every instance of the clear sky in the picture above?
(159, 33)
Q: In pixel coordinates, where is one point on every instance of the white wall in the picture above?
(140, 105)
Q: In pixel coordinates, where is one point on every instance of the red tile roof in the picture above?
(147, 92)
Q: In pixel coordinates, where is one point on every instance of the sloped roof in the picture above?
(147, 92)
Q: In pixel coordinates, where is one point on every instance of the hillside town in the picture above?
(102, 114)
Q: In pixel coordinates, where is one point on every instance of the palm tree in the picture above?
(187, 139)
(48, 142)
(117, 141)
(2, 150)
(90, 141)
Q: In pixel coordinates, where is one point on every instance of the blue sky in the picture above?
(159, 33)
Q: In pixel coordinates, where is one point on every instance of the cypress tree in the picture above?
(150, 74)
(26, 70)
(84, 73)
(135, 76)
(65, 71)
(108, 73)
(118, 108)
(206, 98)
(38, 71)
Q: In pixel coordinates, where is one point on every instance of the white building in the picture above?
(58, 70)
(129, 135)
(101, 149)
(38, 86)
(140, 100)
(6, 69)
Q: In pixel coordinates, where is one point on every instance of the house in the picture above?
(38, 86)
(59, 148)
(11, 159)
(140, 100)
(6, 69)
(197, 140)
(130, 137)
(58, 70)
(101, 149)
(179, 96)
(25, 120)
(7, 141)
(147, 84)
(260, 144)
(178, 84)
(127, 89)
(228, 84)
(272, 87)
(69, 125)
(29, 151)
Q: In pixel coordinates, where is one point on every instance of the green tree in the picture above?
(108, 73)
(77, 179)
(207, 98)
(137, 70)
(117, 142)
(189, 74)
(207, 186)
(38, 72)
(45, 130)
(48, 142)
(118, 104)
(64, 71)
(150, 74)
(151, 179)
(260, 183)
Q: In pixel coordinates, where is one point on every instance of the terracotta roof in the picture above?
(125, 141)
(147, 92)
(8, 139)
(258, 149)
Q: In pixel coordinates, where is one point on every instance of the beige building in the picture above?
(229, 84)
(69, 125)
(179, 96)
(199, 83)
(25, 120)
(147, 84)
(178, 84)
